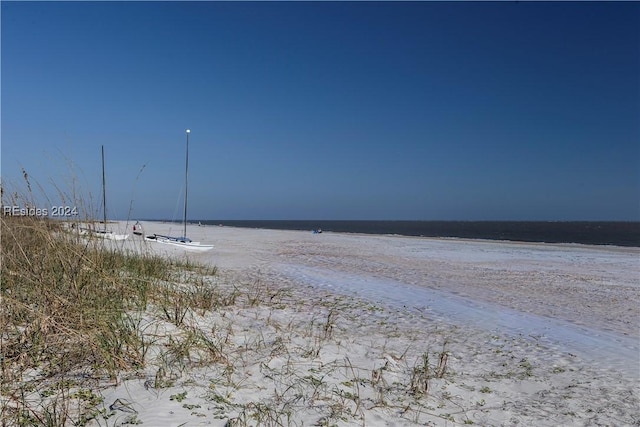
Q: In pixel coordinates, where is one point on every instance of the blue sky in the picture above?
(328, 110)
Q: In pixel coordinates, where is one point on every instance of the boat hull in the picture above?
(109, 235)
(187, 245)
(113, 236)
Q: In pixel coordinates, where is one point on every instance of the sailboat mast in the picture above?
(104, 192)
(186, 186)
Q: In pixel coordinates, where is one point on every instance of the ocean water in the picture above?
(592, 233)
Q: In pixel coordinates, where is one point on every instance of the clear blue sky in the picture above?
(329, 110)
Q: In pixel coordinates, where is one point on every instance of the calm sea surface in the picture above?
(592, 233)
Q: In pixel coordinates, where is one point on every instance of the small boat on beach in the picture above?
(104, 233)
(182, 241)
(137, 229)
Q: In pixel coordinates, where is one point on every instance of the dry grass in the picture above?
(66, 316)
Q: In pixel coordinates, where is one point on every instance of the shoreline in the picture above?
(526, 236)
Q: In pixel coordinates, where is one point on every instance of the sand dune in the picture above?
(353, 330)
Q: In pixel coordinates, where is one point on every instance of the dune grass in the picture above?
(66, 315)
(78, 317)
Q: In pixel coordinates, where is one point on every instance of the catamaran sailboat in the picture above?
(182, 241)
(104, 232)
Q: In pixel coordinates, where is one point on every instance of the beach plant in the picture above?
(255, 296)
(527, 367)
(118, 344)
(178, 397)
(420, 375)
(204, 297)
(422, 372)
(441, 368)
(329, 324)
(175, 305)
(355, 384)
(73, 308)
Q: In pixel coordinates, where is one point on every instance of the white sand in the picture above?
(535, 334)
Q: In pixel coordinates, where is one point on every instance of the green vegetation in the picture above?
(71, 316)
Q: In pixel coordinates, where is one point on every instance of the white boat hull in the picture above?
(110, 235)
(190, 246)
(113, 236)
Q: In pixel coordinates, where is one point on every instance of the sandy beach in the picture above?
(393, 331)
